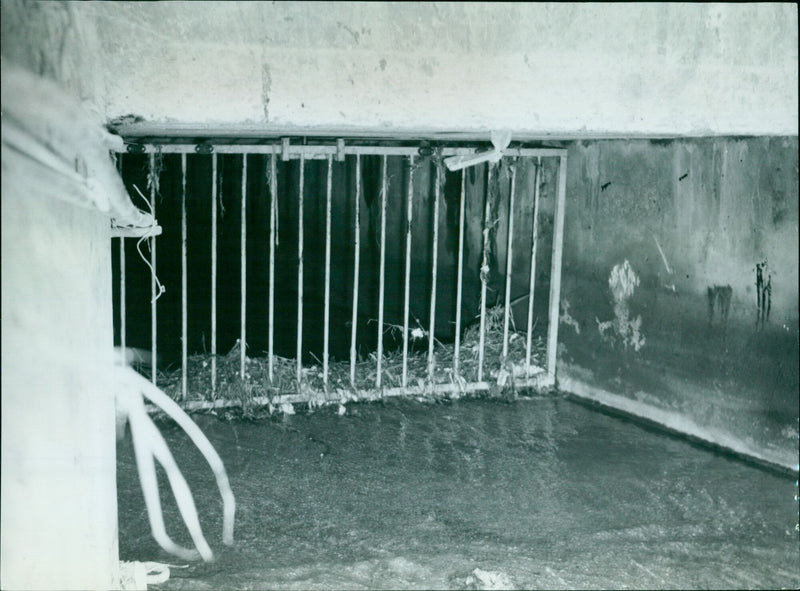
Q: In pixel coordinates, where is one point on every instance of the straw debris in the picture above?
(257, 391)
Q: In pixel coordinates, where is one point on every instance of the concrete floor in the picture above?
(410, 495)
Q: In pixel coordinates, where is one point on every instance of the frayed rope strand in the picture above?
(161, 288)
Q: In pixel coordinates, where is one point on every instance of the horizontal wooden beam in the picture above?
(321, 152)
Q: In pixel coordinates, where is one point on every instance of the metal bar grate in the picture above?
(184, 290)
(153, 295)
(509, 259)
(243, 317)
(214, 275)
(321, 152)
(273, 214)
(356, 266)
(459, 277)
(327, 321)
(434, 268)
(472, 248)
(382, 276)
(484, 271)
(300, 240)
(532, 275)
(555, 272)
(407, 277)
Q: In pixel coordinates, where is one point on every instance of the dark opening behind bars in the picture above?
(478, 182)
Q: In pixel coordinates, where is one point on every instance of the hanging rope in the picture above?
(161, 289)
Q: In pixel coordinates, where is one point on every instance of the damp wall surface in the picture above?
(687, 215)
(690, 213)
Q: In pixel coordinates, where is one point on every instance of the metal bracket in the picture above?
(285, 148)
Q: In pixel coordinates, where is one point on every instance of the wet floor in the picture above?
(404, 494)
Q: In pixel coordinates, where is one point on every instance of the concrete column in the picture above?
(58, 527)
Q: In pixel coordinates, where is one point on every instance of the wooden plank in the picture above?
(312, 151)
(532, 276)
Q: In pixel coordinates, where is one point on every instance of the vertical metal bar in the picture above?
(460, 274)
(243, 320)
(409, 214)
(509, 258)
(532, 281)
(434, 268)
(356, 258)
(300, 275)
(273, 208)
(381, 274)
(122, 298)
(153, 312)
(184, 290)
(213, 274)
(485, 267)
(325, 344)
(555, 273)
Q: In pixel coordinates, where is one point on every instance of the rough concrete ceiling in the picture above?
(544, 70)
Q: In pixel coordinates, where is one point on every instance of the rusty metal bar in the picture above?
(243, 289)
(356, 259)
(407, 283)
(509, 257)
(213, 275)
(381, 274)
(153, 295)
(273, 208)
(184, 289)
(532, 281)
(122, 298)
(489, 223)
(485, 268)
(538, 380)
(300, 239)
(285, 142)
(434, 268)
(459, 275)
(555, 272)
(321, 152)
(327, 315)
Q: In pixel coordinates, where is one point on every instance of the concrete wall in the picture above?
(716, 207)
(58, 524)
(580, 70)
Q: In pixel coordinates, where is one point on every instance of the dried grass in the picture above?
(257, 385)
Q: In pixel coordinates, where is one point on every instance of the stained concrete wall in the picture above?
(582, 70)
(715, 207)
